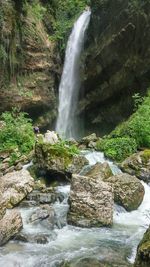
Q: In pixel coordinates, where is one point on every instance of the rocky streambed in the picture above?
(47, 240)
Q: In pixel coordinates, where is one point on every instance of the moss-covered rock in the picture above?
(143, 251)
(60, 157)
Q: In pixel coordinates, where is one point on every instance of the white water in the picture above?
(116, 245)
(70, 80)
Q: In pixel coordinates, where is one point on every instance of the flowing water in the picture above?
(116, 245)
(70, 81)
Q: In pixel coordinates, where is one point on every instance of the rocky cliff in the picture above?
(117, 61)
(29, 60)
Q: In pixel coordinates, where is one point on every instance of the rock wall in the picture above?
(29, 61)
(117, 60)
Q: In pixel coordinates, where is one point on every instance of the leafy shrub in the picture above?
(66, 12)
(138, 125)
(117, 148)
(16, 134)
(130, 135)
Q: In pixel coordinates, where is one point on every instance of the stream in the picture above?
(114, 245)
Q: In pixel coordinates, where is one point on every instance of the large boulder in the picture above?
(10, 225)
(91, 202)
(143, 251)
(128, 190)
(15, 186)
(138, 164)
(58, 159)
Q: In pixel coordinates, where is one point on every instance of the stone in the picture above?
(15, 187)
(10, 225)
(2, 206)
(91, 202)
(138, 164)
(49, 160)
(42, 198)
(143, 251)
(100, 170)
(92, 138)
(51, 137)
(128, 190)
(77, 164)
(44, 213)
(18, 167)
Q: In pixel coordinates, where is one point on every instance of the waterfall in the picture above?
(70, 81)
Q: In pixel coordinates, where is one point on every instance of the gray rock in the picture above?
(128, 190)
(91, 202)
(10, 225)
(42, 198)
(44, 213)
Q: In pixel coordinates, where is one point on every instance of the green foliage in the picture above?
(137, 100)
(130, 135)
(138, 125)
(62, 148)
(16, 135)
(38, 10)
(117, 148)
(66, 12)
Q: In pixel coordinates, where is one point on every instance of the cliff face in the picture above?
(117, 60)
(29, 61)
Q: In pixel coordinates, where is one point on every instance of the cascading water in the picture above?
(116, 245)
(70, 80)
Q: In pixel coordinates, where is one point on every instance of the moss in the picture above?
(146, 155)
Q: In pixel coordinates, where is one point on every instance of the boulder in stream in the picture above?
(10, 225)
(15, 186)
(138, 164)
(128, 190)
(91, 202)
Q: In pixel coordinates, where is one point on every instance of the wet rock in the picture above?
(100, 170)
(38, 238)
(143, 251)
(10, 225)
(27, 204)
(15, 186)
(91, 202)
(77, 164)
(89, 140)
(45, 213)
(21, 238)
(138, 164)
(128, 190)
(41, 239)
(42, 198)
